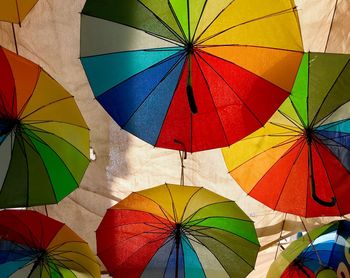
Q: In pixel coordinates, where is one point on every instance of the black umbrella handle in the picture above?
(189, 88)
(330, 203)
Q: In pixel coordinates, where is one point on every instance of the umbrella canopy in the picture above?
(44, 140)
(33, 245)
(190, 75)
(326, 257)
(177, 231)
(301, 156)
(15, 11)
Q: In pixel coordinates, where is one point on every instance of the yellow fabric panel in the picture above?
(141, 203)
(256, 143)
(25, 6)
(201, 199)
(181, 195)
(287, 108)
(160, 195)
(25, 73)
(267, 23)
(50, 101)
(212, 9)
(280, 67)
(8, 11)
(68, 132)
(67, 245)
(249, 173)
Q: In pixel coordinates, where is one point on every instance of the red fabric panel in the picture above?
(8, 104)
(127, 240)
(294, 271)
(28, 227)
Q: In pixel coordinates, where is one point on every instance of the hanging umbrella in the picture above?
(15, 11)
(177, 231)
(190, 75)
(300, 159)
(33, 245)
(44, 140)
(327, 256)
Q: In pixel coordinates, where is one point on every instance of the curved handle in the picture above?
(333, 200)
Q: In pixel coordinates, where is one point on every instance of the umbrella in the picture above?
(190, 75)
(15, 11)
(33, 245)
(44, 140)
(177, 231)
(327, 256)
(301, 156)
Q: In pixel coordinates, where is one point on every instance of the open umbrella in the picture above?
(299, 162)
(190, 75)
(327, 256)
(15, 11)
(33, 245)
(177, 231)
(44, 140)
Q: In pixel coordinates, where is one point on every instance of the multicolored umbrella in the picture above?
(33, 245)
(44, 140)
(15, 11)
(327, 256)
(299, 162)
(190, 75)
(177, 231)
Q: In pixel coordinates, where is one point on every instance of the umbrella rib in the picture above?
(303, 143)
(38, 122)
(328, 93)
(199, 19)
(170, 71)
(233, 91)
(39, 130)
(45, 106)
(212, 99)
(189, 200)
(295, 123)
(208, 236)
(282, 12)
(203, 207)
(290, 128)
(336, 143)
(177, 21)
(164, 23)
(217, 16)
(173, 204)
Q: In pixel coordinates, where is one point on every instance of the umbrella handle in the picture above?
(330, 203)
(191, 100)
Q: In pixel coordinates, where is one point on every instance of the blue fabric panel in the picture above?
(147, 121)
(122, 101)
(171, 266)
(156, 267)
(193, 267)
(107, 71)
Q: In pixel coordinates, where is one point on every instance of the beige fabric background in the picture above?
(50, 37)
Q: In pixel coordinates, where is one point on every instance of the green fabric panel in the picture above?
(223, 209)
(40, 189)
(180, 8)
(338, 95)
(241, 228)
(131, 13)
(162, 9)
(74, 160)
(196, 9)
(62, 180)
(245, 249)
(14, 189)
(300, 90)
(324, 70)
(231, 262)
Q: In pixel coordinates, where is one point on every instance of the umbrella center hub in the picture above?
(7, 125)
(190, 48)
(308, 134)
(178, 230)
